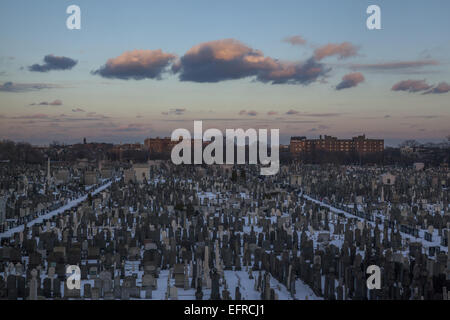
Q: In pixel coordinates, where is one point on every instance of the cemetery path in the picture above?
(53, 213)
(434, 243)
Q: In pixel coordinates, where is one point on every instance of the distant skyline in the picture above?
(141, 69)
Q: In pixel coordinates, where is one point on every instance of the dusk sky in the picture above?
(140, 69)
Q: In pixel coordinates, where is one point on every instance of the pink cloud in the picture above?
(295, 40)
(342, 50)
(411, 86)
(398, 65)
(229, 59)
(137, 65)
(442, 87)
(350, 80)
(132, 127)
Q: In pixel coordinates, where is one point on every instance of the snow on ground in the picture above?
(426, 244)
(246, 288)
(233, 278)
(53, 213)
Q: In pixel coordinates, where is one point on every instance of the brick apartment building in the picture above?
(159, 145)
(164, 145)
(359, 144)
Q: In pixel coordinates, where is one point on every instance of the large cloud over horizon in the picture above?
(137, 65)
(52, 62)
(230, 59)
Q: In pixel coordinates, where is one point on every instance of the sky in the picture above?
(140, 69)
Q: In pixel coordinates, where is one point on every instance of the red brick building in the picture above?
(358, 144)
(159, 145)
(164, 145)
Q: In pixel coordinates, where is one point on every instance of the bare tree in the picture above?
(409, 143)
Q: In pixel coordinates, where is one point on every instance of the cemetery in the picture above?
(225, 232)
